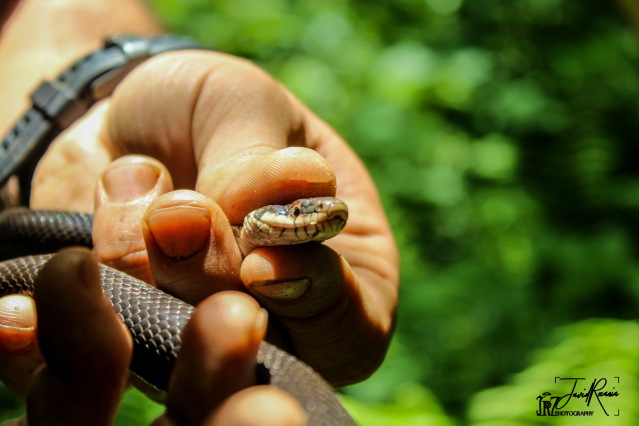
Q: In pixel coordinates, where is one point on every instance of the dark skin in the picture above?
(199, 139)
(94, 353)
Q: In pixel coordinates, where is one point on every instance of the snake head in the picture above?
(302, 221)
(323, 216)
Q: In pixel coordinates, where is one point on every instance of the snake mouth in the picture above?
(337, 215)
(330, 211)
(303, 213)
(305, 220)
(329, 220)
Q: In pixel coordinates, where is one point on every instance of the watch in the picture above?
(58, 103)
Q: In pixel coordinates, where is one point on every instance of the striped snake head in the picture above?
(302, 221)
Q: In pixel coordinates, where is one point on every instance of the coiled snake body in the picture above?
(156, 319)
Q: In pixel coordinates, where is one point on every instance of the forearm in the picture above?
(42, 37)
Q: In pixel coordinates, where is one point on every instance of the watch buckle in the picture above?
(136, 50)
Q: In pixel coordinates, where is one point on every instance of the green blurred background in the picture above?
(501, 135)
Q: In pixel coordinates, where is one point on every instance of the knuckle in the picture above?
(243, 79)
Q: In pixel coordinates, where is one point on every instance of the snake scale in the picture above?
(155, 319)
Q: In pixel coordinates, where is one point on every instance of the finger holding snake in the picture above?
(84, 344)
(223, 127)
(254, 144)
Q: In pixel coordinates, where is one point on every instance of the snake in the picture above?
(155, 319)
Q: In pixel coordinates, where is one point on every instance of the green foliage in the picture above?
(502, 138)
(412, 404)
(591, 349)
(136, 409)
(10, 406)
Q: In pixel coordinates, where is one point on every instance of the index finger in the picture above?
(222, 131)
(228, 129)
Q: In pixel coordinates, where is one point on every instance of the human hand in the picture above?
(87, 352)
(223, 127)
(228, 130)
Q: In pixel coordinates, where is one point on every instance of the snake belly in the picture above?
(155, 319)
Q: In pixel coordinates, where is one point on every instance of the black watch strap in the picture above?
(57, 104)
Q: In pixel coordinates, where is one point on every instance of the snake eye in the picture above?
(296, 209)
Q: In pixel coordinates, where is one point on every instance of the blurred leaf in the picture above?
(402, 72)
(592, 350)
(414, 405)
(136, 409)
(10, 406)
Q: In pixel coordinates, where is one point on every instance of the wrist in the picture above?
(66, 31)
(58, 103)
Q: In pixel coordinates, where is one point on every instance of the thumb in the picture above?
(312, 292)
(19, 353)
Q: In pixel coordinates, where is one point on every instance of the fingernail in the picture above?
(179, 232)
(251, 321)
(261, 321)
(17, 311)
(127, 181)
(17, 323)
(282, 291)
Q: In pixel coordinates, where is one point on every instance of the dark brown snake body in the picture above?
(154, 318)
